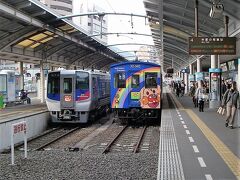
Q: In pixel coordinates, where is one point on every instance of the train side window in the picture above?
(3, 82)
(150, 80)
(82, 81)
(120, 80)
(135, 81)
(67, 85)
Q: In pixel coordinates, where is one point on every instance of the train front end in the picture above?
(136, 91)
(68, 96)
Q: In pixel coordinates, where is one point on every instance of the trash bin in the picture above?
(1, 101)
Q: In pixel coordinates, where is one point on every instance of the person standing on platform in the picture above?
(232, 103)
(182, 88)
(195, 95)
(200, 94)
(178, 88)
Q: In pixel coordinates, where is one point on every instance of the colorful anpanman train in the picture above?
(136, 90)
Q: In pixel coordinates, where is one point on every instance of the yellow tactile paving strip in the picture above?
(230, 159)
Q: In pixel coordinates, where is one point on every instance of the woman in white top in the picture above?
(200, 94)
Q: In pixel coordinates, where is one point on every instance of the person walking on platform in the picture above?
(200, 94)
(232, 103)
(225, 95)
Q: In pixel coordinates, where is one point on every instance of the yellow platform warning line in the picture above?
(227, 155)
(230, 159)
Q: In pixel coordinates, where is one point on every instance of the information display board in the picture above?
(212, 45)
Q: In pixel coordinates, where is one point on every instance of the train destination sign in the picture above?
(212, 45)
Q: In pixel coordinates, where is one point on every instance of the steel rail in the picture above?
(18, 145)
(136, 148)
(56, 139)
(107, 149)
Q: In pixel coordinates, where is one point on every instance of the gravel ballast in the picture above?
(60, 164)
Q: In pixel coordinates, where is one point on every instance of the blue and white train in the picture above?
(77, 96)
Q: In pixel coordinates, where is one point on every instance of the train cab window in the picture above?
(150, 80)
(67, 85)
(120, 80)
(135, 81)
(82, 80)
(53, 83)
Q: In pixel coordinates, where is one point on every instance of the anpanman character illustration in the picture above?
(150, 97)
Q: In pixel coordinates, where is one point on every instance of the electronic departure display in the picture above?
(212, 45)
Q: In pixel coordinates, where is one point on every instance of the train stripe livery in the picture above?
(136, 90)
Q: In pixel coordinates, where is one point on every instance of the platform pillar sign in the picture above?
(18, 129)
(215, 87)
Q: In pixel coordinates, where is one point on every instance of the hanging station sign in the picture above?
(212, 45)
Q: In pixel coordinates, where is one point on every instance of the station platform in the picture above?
(196, 145)
(22, 110)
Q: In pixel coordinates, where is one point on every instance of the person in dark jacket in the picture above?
(232, 103)
(24, 97)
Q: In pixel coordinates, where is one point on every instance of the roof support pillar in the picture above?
(161, 32)
(196, 18)
(226, 21)
(20, 65)
(199, 68)
(42, 83)
(191, 68)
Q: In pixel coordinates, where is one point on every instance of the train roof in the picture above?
(134, 62)
(65, 71)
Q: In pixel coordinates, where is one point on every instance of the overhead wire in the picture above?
(110, 6)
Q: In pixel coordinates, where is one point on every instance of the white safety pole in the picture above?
(25, 144)
(12, 145)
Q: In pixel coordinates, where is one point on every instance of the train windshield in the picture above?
(53, 83)
(151, 80)
(82, 80)
(67, 85)
(120, 80)
(135, 81)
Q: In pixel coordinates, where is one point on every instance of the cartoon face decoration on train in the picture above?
(150, 98)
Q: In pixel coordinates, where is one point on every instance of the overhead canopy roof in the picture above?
(31, 32)
(178, 25)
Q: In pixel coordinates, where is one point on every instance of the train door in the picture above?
(95, 91)
(67, 92)
(134, 89)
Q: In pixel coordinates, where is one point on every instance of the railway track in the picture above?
(46, 139)
(126, 139)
